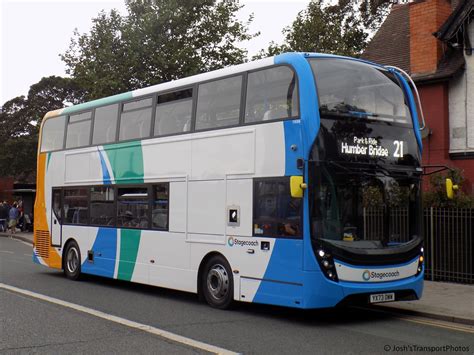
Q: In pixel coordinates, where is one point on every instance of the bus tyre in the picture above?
(217, 283)
(72, 261)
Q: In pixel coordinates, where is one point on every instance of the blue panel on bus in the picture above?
(35, 258)
(319, 292)
(105, 171)
(413, 110)
(309, 111)
(310, 122)
(414, 283)
(292, 131)
(280, 294)
(105, 250)
(284, 272)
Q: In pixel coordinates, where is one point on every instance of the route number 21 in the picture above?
(398, 149)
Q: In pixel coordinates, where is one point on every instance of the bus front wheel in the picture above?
(72, 261)
(217, 283)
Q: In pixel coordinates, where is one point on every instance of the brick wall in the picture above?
(6, 187)
(426, 16)
(436, 148)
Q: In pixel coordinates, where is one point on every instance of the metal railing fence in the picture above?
(449, 244)
(448, 239)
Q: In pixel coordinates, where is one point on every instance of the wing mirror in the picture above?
(297, 186)
(450, 188)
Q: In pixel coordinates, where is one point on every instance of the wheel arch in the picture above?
(66, 244)
(204, 261)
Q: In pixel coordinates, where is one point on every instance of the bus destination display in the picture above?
(373, 147)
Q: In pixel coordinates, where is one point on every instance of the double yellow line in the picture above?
(425, 321)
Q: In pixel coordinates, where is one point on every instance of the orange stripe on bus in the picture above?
(41, 223)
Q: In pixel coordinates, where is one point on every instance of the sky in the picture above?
(34, 32)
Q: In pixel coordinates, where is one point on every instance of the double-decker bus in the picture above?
(292, 180)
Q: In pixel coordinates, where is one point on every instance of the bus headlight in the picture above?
(326, 262)
(421, 259)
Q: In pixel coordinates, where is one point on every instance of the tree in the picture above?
(157, 41)
(342, 28)
(20, 120)
(12, 121)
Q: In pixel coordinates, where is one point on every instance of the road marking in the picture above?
(28, 255)
(22, 241)
(458, 328)
(146, 328)
(425, 321)
(6, 251)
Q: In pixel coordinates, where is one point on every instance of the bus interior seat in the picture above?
(274, 114)
(187, 125)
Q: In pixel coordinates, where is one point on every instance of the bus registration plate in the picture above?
(382, 297)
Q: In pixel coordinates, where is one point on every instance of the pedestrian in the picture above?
(3, 216)
(13, 218)
(20, 220)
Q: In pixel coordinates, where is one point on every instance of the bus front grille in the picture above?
(42, 243)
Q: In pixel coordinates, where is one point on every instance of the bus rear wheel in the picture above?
(72, 261)
(217, 283)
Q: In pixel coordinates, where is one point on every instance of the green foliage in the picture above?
(342, 28)
(18, 158)
(372, 197)
(437, 197)
(157, 41)
(20, 121)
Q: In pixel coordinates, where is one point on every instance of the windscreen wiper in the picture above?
(382, 169)
(351, 114)
(349, 170)
(393, 172)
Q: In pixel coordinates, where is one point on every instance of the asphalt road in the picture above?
(29, 324)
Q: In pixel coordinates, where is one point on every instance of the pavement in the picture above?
(23, 236)
(441, 300)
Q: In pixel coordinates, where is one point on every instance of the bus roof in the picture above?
(190, 80)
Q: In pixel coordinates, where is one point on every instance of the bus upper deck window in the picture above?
(105, 124)
(173, 112)
(53, 134)
(79, 130)
(135, 120)
(218, 103)
(271, 94)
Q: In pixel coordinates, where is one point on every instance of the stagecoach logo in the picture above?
(241, 243)
(368, 275)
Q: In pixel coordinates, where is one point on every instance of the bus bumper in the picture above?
(322, 293)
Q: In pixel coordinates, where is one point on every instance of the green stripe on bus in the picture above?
(126, 160)
(96, 103)
(47, 162)
(129, 243)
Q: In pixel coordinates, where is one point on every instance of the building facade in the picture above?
(432, 40)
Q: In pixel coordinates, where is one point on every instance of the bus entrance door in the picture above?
(56, 218)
